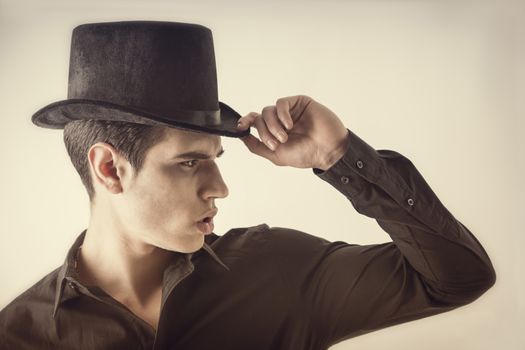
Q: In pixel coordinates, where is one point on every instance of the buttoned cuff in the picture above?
(380, 182)
(350, 173)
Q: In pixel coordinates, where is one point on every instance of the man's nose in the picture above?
(214, 185)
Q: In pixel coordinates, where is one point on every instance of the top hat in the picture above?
(146, 72)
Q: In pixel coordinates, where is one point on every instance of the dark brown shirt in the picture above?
(264, 287)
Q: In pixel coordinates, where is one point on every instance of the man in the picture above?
(143, 125)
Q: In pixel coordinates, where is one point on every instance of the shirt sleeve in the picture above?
(433, 264)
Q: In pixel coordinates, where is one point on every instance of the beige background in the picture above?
(438, 81)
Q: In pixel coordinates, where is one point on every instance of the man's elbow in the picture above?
(480, 286)
(490, 279)
(465, 291)
(485, 281)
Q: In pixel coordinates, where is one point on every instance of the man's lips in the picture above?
(210, 214)
(205, 224)
(206, 227)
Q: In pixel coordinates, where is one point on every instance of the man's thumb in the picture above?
(257, 147)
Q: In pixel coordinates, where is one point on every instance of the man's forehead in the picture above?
(184, 139)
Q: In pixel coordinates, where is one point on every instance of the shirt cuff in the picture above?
(373, 179)
(358, 166)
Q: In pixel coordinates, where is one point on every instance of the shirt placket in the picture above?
(173, 275)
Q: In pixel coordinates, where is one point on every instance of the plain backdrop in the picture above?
(441, 82)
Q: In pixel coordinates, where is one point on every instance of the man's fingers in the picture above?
(264, 134)
(282, 106)
(257, 147)
(273, 125)
(246, 122)
(256, 120)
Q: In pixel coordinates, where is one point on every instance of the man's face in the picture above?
(163, 202)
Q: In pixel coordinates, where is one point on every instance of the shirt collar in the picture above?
(67, 269)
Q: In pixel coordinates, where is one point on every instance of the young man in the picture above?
(143, 125)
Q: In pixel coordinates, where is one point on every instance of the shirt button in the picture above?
(410, 201)
(359, 164)
(71, 285)
(344, 179)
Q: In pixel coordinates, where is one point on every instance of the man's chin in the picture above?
(189, 246)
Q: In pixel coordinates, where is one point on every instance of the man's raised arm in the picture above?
(433, 264)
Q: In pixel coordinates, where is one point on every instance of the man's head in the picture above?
(139, 186)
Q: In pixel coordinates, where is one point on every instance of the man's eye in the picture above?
(187, 163)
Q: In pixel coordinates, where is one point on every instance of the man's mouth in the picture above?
(206, 225)
(208, 216)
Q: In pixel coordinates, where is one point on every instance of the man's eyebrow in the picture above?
(197, 155)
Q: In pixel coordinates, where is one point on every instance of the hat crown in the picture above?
(147, 72)
(157, 66)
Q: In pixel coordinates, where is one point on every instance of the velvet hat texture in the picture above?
(147, 72)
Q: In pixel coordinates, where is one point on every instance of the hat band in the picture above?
(191, 116)
(92, 109)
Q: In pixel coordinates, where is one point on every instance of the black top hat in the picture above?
(147, 72)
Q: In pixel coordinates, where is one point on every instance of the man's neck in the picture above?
(131, 271)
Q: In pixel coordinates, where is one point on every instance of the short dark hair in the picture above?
(131, 140)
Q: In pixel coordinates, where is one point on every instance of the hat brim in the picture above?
(56, 115)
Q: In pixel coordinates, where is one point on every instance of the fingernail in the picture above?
(272, 144)
(282, 136)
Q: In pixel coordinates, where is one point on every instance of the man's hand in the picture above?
(305, 133)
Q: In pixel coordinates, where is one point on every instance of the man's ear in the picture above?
(106, 166)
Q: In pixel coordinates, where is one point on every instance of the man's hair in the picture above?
(131, 140)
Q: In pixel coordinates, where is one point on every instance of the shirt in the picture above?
(263, 287)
